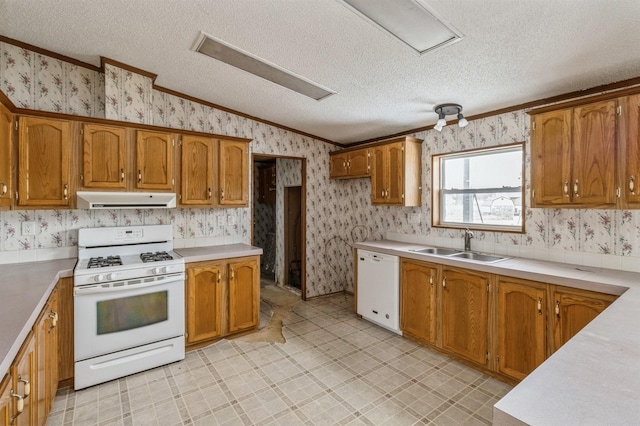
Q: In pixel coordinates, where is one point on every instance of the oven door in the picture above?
(124, 314)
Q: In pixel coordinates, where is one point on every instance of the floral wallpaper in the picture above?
(127, 95)
(339, 212)
(35, 81)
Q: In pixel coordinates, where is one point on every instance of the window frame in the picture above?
(438, 192)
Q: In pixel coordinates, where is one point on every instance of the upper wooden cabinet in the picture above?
(521, 317)
(349, 164)
(44, 162)
(396, 172)
(233, 173)
(418, 282)
(154, 160)
(630, 149)
(464, 313)
(197, 171)
(104, 156)
(6, 156)
(573, 309)
(574, 155)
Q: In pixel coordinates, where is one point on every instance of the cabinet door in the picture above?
(104, 156)
(6, 401)
(630, 178)
(47, 350)
(395, 174)
(197, 171)
(574, 309)
(379, 173)
(521, 314)
(594, 153)
(244, 295)
(338, 165)
(6, 156)
(44, 147)
(464, 313)
(154, 160)
(359, 163)
(417, 299)
(204, 302)
(551, 149)
(234, 173)
(25, 373)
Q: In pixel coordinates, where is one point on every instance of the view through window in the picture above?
(480, 189)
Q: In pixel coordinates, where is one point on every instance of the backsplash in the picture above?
(338, 212)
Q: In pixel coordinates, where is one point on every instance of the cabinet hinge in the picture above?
(82, 177)
(618, 192)
(82, 131)
(16, 195)
(533, 193)
(173, 142)
(173, 182)
(533, 125)
(16, 124)
(180, 197)
(488, 287)
(498, 358)
(619, 110)
(487, 356)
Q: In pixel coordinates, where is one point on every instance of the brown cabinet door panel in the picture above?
(204, 303)
(594, 153)
(551, 147)
(244, 295)
(631, 153)
(379, 175)
(197, 170)
(395, 186)
(417, 299)
(521, 312)
(154, 160)
(6, 156)
(465, 304)
(234, 173)
(44, 149)
(338, 165)
(359, 163)
(104, 156)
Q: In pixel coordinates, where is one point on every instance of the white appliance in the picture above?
(128, 302)
(379, 289)
(125, 200)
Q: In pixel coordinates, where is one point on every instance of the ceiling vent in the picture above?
(409, 21)
(231, 55)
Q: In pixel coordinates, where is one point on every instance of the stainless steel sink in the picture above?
(478, 256)
(436, 250)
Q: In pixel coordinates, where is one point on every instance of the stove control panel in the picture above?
(129, 233)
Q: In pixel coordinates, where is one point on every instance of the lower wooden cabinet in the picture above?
(573, 309)
(223, 297)
(28, 390)
(418, 299)
(521, 324)
(464, 313)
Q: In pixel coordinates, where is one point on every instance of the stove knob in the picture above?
(112, 276)
(99, 278)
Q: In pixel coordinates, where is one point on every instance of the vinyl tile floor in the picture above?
(334, 369)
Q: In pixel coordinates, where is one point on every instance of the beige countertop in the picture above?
(594, 379)
(25, 288)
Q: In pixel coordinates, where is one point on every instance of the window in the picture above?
(479, 189)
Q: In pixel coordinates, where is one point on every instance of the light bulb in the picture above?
(462, 122)
(440, 124)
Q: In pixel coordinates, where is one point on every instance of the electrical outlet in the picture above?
(28, 228)
(220, 220)
(414, 218)
(231, 220)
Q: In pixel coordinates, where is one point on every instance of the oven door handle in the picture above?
(98, 289)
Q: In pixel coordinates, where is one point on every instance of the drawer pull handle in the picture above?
(209, 192)
(19, 405)
(632, 185)
(565, 188)
(65, 192)
(539, 306)
(444, 282)
(121, 175)
(4, 188)
(558, 308)
(27, 386)
(575, 188)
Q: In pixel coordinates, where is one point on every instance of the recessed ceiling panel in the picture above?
(231, 55)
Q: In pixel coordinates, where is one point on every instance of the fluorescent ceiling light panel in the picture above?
(409, 21)
(231, 55)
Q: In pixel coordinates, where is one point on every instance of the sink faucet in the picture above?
(468, 235)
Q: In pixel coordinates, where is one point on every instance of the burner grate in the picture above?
(155, 257)
(103, 262)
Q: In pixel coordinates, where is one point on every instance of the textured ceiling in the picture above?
(512, 52)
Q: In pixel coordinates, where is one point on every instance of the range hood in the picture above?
(125, 200)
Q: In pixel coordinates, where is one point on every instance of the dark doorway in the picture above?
(293, 249)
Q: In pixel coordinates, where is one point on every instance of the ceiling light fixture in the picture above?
(410, 21)
(449, 109)
(231, 55)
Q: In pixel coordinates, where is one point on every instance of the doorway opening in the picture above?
(279, 221)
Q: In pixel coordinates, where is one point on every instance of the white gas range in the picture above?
(128, 302)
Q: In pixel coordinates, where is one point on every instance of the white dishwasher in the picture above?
(379, 289)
